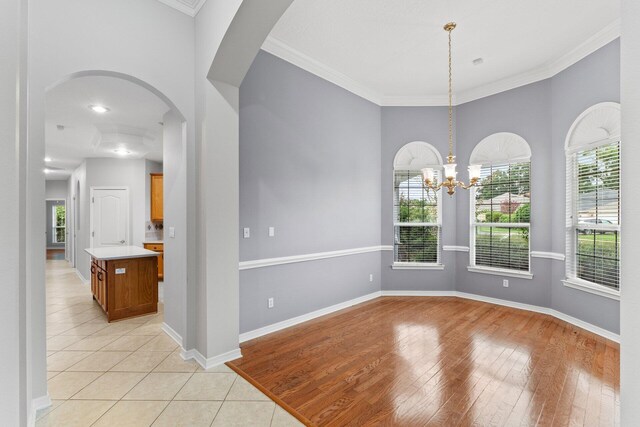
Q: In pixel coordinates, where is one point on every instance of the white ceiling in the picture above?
(133, 122)
(190, 7)
(394, 52)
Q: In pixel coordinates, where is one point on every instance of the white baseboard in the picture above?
(81, 277)
(161, 291)
(543, 310)
(172, 333)
(305, 317)
(37, 404)
(208, 363)
(418, 293)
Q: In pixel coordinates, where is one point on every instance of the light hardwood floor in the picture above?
(129, 373)
(438, 362)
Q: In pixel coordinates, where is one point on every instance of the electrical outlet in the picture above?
(371, 277)
(270, 303)
(505, 283)
(247, 233)
(272, 231)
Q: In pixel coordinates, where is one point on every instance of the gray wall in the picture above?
(175, 216)
(309, 166)
(100, 172)
(308, 150)
(56, 189)
(401, 125)
(594, 79)
(525, 111)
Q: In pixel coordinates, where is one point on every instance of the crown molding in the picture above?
(187, 7)
(547, 70)
(283, 51)
(551, 68)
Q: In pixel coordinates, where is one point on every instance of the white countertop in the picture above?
(120, 252)
(154, 242)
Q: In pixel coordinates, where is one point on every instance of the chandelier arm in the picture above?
(472, 183)
(432, 186)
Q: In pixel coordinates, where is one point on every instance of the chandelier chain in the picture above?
(449, 182)
(450, 158)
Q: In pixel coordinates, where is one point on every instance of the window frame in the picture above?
(473, 266)
(54, 227)
(403, 265)
(572, 224)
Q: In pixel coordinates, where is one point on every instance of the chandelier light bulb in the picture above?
(474, 171)
(450, 171)
(428, 174)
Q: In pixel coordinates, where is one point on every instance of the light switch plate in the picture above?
(172, 232)
(272, 231)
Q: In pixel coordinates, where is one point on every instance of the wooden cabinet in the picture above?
(158, 247)
(157, 197)
(125, 287)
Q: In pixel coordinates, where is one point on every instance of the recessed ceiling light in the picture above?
(478, 61)
(100, 109)
(122, 151)
(47, 159)
(47, 171)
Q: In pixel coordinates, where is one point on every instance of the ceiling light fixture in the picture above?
(122, 151)
(100, 109)
(47, 159)
(46, 170)
(450, 173)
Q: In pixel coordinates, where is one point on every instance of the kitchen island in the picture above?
(124, 281)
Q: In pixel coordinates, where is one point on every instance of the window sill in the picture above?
(500, 272)
(416, 266)
(592, 288)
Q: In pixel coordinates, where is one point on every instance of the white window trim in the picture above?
(501, 271)
(421, 265)
(592, 288)
(571, 280)
(417, 266)
(473, 267)
(54, 228)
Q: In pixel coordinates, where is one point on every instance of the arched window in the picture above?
(593, 200)
(416, 210)
(501, 206)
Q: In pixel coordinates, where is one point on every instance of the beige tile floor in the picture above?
(130, 373)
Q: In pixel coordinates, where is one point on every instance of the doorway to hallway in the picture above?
(56, 229)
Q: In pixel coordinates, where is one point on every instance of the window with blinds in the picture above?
(416, 212)
(501, 211)
(593, 216)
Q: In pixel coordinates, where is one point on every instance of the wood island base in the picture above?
(125, 288)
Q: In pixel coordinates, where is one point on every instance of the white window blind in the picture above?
(417, 225)
(593, 215)
(500, 217)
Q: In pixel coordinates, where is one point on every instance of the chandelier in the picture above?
(450, 182)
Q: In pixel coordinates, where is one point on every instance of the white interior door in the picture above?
(109, 217)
